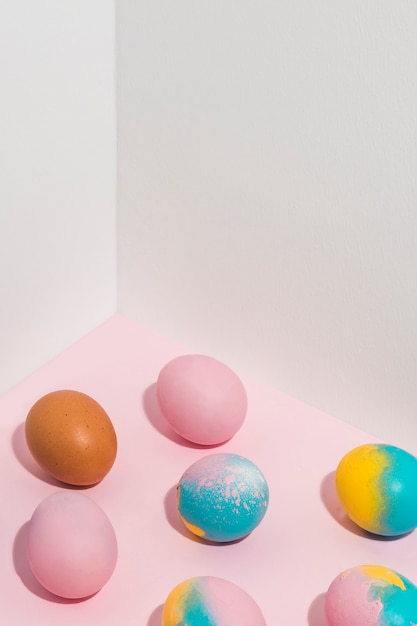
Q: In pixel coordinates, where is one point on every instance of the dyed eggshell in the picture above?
(71, 545)
(210, 601)
(71, 437)
(377, 487)
(202, 399)
(371, 595)
(222, 497)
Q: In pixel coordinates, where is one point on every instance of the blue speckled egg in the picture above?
(222, 497)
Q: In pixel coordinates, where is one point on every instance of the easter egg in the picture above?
(371, 595)
(210, 601)
(222, 497)
(71, 437)
(71, 545)
(202, 399)
(377, 487)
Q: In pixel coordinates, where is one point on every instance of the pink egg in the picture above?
(71, 545)
(202, 399)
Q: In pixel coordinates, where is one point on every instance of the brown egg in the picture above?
(71, 437)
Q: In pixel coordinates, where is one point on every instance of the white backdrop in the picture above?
(267, 189)
(57, 177)
(267, 193)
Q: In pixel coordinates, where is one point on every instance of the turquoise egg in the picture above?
(222, 497)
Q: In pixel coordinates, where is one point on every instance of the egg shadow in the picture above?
(156, 418)
(332, 503)
(23, 570)
(26, 460)
(156, 617)
(316, 613)
(170, 506)
(23, 455)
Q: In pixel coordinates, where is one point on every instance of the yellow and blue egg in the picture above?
(377, 487)
(222, 497)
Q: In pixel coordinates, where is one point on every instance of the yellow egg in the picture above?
(71, 437)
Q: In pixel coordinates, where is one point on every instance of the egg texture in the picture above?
(71, 545)
(71, 437)
(377, 487)
(210, 601)
(202, 399)
(222, 497)
(371, 595)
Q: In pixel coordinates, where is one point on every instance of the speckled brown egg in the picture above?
(71, 437)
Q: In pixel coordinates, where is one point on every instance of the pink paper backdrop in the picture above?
(286, 564)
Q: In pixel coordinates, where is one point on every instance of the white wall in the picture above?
(267, 196)
(57, 177)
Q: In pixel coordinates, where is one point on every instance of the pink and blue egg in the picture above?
(210, 601)
(377, 487)
(371, 595)
(222, 497)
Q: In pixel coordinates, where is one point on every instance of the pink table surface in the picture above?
(286, 564)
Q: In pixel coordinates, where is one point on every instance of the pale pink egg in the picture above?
(71, 545)
(202, 399)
